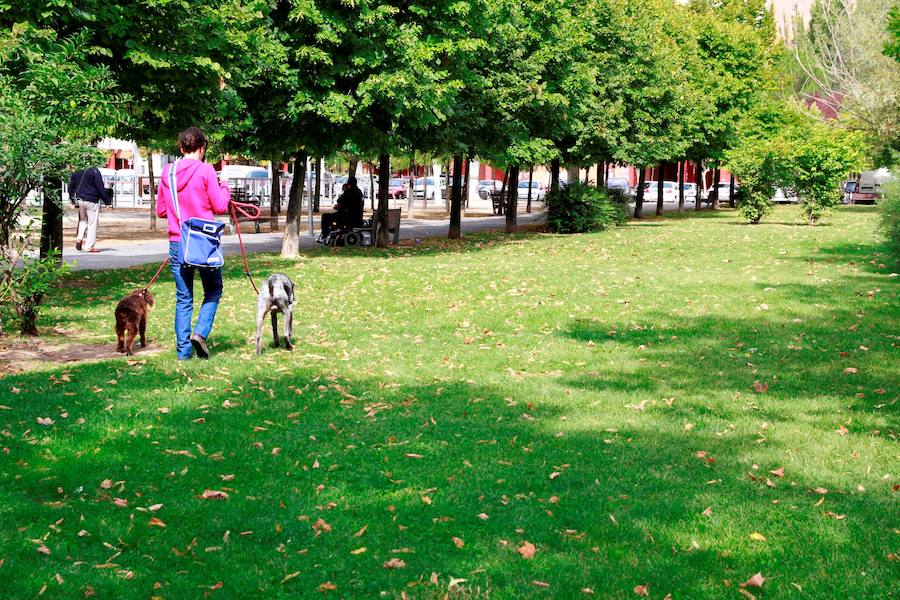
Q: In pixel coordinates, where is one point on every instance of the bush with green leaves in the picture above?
(752, 163)
(23, 291)
(580, 208)
(889, 209)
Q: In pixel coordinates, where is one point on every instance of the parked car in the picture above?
(420, 184)
(670, 191)
(537, 191)
(363, 182)
(724, 191)
(243, 172)
(619, 183)
(867, 189)
(780, 197)
(398, 187)
(486, 186)
(690, 192)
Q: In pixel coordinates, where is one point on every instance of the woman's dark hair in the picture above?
(192, 139)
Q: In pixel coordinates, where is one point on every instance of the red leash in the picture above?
(158, 271)
(250, 211)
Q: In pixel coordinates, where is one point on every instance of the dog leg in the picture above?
(129, 341)
(260, 315)
(288, 326)
(143, 331)
(275, 327)
(120, 333)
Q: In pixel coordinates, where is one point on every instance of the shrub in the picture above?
(579, 208)
(22, 290)
(889, 208)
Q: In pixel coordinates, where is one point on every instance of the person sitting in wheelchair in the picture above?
(348, 211)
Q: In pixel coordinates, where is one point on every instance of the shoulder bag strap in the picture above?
(80, 182)
(173, 188)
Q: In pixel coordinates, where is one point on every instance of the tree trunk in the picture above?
(660, 188)
(530, 180)
(291, 243)
(275, 195)
(152, 191)
(445, 193)
(554, 176)
(512, 199)
(318, 191)
(573, 174)
(701, 183)
(456, 198)
(503, 183)
(352, 166)
(372, 184)
(731, 191)
(599, 175)
(639, 199)
(52, 218)
(681, 167)
(384, 180)
(425, 186)
(715, 186)
(465, 189)
(412, 184)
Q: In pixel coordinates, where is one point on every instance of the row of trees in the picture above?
(516, 83)
(513, 82)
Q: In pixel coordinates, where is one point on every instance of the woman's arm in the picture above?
(219, 193)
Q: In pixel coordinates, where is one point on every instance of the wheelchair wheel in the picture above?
(352, 239)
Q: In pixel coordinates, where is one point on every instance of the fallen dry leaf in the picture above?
(757, 536)
(120, 502)
(458, 542)
(541, 584)
(361, 531)
(44, 421)
(760, 388)
(755, 581)
(642, 590)
(106, 484)
(213, 495)
(707, 512)
(779, 472)
(851, 371)
(154, 507)
(290, 576)
(154, 522)
(326, 587)
(395, 563)
(527, 550)
(842, 430)
(359, 550)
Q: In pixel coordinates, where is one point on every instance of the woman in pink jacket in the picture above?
(199, 195)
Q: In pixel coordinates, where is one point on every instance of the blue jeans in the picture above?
(184, 301)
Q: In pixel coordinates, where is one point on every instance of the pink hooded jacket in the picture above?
(199, 194)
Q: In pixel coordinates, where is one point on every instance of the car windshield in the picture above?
(486, 182)
(616, 182)
(398, 182)
(524, 184)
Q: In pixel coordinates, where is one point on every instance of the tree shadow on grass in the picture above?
(400, 469)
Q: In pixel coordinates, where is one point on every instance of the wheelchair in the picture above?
(349, 236)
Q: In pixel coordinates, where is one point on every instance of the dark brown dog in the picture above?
(131, 319)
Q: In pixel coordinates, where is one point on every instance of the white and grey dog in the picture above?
(276, 295)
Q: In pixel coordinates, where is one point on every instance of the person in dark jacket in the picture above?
(348, 210)
(86, 190)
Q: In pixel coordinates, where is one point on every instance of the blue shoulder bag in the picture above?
(201, 239)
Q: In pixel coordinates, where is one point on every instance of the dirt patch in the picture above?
(26, 355)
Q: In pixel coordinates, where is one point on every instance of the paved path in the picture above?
(139, 253)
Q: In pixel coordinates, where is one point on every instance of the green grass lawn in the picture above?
(594, 395)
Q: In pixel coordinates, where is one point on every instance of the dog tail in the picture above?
(271, 288)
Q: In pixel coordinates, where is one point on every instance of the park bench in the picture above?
(393, 223)
(498, 203)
